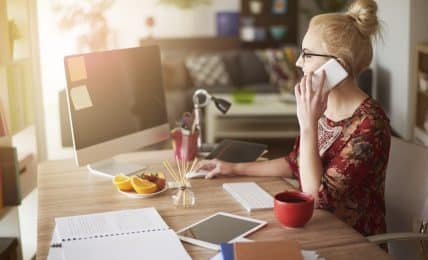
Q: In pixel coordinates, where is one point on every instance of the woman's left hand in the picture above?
(311, 104)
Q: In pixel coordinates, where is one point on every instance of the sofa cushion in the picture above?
(207, 70)
(280, 64)
(251, 69)
(231, 62)
(175, 74)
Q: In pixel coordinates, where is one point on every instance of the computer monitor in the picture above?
(116, 104)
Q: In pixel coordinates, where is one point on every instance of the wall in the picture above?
(126, 19)
(392, 62)
(170, 21)
(418, 34)
(404, 24)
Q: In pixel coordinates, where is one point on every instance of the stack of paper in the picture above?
(127, 234)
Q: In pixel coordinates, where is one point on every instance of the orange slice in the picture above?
(143, 186)
(160, 175)
(122, 182)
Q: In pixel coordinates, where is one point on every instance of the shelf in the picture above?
(423, 93)
(5, 210)
(27, 175)
(266, 18)
(421, 135)
(422, 48)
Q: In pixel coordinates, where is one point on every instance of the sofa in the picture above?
(244, 68)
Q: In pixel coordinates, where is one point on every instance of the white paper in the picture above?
(55, 253)
(80, 98)
(77, 68)
(149, 245)
(126, 234)
(114, 222)
(311, 255)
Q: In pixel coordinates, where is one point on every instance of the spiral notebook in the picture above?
(126, 234)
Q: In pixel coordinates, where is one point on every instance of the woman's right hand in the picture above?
(215, 168)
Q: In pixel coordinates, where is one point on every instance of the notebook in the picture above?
(126, 234)
(237, 151)
(281, 249)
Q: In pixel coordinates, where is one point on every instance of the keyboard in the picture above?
(250, 195)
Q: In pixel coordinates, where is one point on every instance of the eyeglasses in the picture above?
(304, 54)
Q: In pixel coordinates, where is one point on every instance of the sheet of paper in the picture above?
(80, 98)
(55, 253)
(149, 245)
(311, 255)
(107, 223)
(77, 68)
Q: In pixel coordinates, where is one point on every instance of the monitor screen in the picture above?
(113, 97)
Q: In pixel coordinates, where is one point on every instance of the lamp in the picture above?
(201, 99)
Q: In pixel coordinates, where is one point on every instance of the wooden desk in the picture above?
(65, 189)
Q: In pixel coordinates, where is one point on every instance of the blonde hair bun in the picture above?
(363, 12)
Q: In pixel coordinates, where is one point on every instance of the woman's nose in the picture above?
(299, 62)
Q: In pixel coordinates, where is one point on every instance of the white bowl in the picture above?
(135, 195)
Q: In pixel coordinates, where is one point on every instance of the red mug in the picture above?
(184, 143)
(293, 208)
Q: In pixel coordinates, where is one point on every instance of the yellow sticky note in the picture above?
(77, 68)
(80, 98)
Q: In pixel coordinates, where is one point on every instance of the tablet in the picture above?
(219, 228)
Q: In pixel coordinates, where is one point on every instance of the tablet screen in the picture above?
(219, 229)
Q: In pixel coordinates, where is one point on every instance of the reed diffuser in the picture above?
(184, 197)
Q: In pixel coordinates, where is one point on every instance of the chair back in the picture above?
(406, 192)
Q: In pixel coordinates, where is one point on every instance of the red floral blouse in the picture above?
(354, 154)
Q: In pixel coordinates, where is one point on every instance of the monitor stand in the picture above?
(111, 167)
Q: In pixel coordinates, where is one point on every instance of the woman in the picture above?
(341, 154)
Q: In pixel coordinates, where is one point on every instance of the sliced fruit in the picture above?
(160, 182)
(122, 182)
(148, 176)
(160, 175)
(143, 186)
(155, 177)
(151, 176)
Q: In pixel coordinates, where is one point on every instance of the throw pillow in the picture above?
(280, 65)
(252, 69)
(207, 70)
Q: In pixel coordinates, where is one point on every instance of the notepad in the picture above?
(126, 234)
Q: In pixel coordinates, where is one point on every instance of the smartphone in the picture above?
(334, 74)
